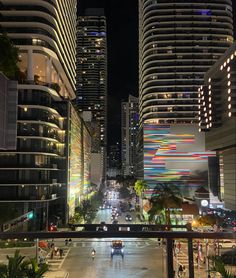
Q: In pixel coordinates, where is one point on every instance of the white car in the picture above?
(227, 244)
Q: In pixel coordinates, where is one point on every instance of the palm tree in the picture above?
(13, 268)
(31, 268)
(219, 267)
(163, 199)
(139, 187)
(18, 267)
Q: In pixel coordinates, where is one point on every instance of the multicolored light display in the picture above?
(169, 155)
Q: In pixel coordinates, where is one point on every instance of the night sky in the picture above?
(122, 36)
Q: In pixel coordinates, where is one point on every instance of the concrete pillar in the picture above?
(48, 70)
(30, 65)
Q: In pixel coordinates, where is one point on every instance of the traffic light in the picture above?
(30, 215)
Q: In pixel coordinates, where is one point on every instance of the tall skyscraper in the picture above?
(178, 43)
(217, 116)
(129, 130)
(91, 83)
(37, 176)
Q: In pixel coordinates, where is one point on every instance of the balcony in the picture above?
(30, 199)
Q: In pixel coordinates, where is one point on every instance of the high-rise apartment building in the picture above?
(217, 117)
(178, 43)
(38, 177)
(91, 79)
(129, 131)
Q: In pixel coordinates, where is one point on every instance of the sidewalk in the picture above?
(57, 274)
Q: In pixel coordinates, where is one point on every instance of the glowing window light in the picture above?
(229, 98)
(205, 114)
(224, 64)
(199, 124)
(209, 80)
(228, 69)
(221, 67)
(199, 118)
(229, 83)
(199, 112)
(204, 103)
(209, 92)
(209, 87)
(210, 105)
(210, 112)
(232, 57)
(199, 101)
(210, 118)
(199, 95)
(204, 108)
(228, 75)
(207, 126)
(199, 130)
(229, 114)
(201, 87)
(229, 106)
(228, 60)
(210, 124)
(207, 120)
(229, 91)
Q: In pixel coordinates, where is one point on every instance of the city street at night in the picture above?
(142, 258)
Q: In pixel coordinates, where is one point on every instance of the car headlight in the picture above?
(122, 250)
(112, 250)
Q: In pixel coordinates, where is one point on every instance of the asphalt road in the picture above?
(142, 258)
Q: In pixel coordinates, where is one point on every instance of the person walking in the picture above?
(180, 272)
(93, 254)
(61, 252)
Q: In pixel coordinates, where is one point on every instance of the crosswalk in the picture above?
(56, 262)
(138, 244)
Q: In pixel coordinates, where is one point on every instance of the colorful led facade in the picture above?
(87, 161)
(79, 161)
(75, 162)
(169, 156)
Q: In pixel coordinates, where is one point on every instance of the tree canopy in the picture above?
(164, 198)
(139, 187)
(8, 57)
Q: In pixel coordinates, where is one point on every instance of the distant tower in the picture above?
(129, 129)
(91, 79)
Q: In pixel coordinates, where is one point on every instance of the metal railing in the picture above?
(169, 237)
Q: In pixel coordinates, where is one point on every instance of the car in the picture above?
(229, 257)
(227, 244)
(115, 222)
(117, 248)
(52, 228)
(102, 206)
(102, 227)
(128, 217)
(113, 217)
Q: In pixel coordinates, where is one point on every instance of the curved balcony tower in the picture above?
(178, 43)
(45, 33)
